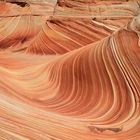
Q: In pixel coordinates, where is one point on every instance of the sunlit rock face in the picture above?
(69, 70)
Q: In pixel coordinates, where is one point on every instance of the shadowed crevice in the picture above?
(21, 4)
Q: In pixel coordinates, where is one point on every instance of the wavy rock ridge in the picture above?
(69, 77)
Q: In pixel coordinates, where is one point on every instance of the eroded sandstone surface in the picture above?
(69, 70)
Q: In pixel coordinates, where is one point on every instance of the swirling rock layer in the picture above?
(66, 76)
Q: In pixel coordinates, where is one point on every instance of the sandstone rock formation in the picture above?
(70, 70)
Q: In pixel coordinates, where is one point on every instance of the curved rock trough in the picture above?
(69, 70)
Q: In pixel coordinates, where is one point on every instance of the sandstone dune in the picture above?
(68, 72)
